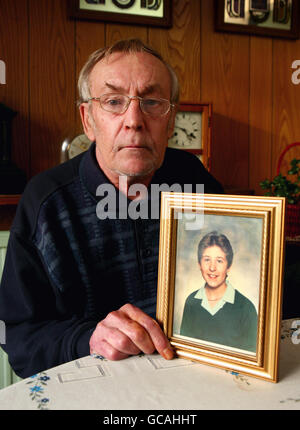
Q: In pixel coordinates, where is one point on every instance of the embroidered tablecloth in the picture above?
(150, 382)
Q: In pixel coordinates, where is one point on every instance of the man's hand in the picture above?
(129, 331)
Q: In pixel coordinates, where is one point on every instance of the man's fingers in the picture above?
(128, 331)
(132, 330)
(155, 333)
(108, 351)
(108, 341)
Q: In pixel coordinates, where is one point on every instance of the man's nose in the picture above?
(134, 118)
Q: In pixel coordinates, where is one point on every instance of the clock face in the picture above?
(187, 131)
(79, 144)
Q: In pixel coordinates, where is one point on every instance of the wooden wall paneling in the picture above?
(90, 36)
(52, 81)
(115, 32)
(256, 107)
(286, 102)
(180, 46)
(260, 112)
(225, 82)
(14, 94)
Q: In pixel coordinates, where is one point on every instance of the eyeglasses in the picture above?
(118, 104)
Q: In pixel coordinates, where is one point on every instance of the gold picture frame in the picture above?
(255, 228)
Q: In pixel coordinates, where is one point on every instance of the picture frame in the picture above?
(216, 333)
(274, 18)
(156, 13)
(192, 130)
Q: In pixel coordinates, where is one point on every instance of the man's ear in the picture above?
(171, 122)
(87, 121)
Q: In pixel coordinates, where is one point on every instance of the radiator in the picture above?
(7, 375)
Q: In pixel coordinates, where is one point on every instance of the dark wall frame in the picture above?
(221, 26)
(166, 21)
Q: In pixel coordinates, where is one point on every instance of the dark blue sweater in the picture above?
(65, 269)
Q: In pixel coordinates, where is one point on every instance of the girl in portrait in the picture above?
(217, 312)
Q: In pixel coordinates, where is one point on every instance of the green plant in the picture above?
(281, 186)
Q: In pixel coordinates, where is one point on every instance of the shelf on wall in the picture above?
(9, 199)
(8, 205)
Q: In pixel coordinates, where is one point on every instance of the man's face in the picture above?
(133, 143)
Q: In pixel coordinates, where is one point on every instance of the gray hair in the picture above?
(129, 46)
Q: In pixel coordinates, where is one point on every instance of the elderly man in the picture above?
(75, 284)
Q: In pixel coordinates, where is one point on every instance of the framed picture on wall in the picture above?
(192, 131)
(220, 280)
(276, 18)
(144, 12)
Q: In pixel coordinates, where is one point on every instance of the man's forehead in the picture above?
(118, 68)
(130, 57)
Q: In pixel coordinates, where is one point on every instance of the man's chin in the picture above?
(136, 171)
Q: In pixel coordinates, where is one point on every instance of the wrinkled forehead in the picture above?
(139, 72)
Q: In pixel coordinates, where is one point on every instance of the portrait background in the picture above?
(245, 236)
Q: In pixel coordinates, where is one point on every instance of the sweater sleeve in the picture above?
(40, 331)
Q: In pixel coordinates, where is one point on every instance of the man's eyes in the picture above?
(151, 102)
(114, 101)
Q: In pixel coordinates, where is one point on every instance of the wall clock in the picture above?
(76, 146)
(192, 131)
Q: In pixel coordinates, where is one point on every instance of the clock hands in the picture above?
(186, 131)
(189, 135)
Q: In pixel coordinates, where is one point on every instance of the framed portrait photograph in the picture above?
(143, 12)
(192, 131)
(220, 279)
(275, 18)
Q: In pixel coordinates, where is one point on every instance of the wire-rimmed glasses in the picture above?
(119, 103)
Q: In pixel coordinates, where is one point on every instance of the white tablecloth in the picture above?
(152, 383)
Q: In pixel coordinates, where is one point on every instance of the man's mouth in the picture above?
(135, 145)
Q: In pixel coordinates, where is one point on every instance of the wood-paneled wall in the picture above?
(247, 78)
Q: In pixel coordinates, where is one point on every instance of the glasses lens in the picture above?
(116, 103)
(155, 107)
